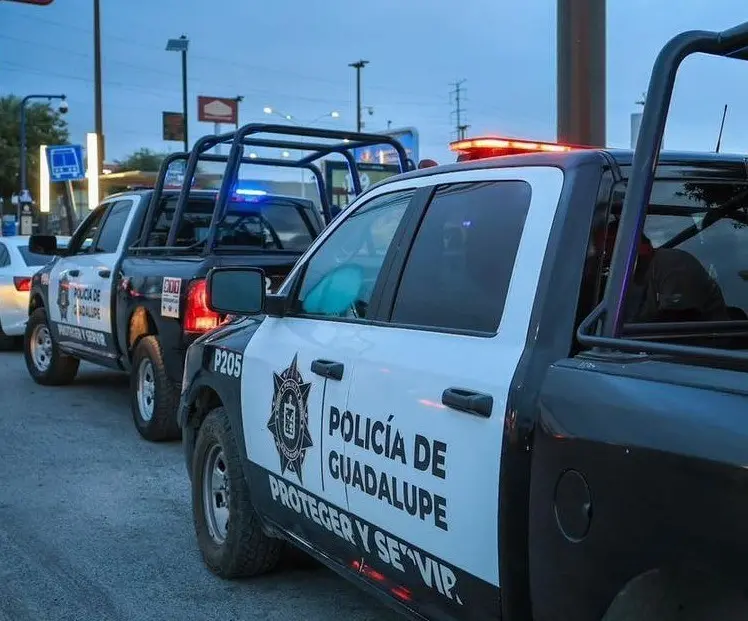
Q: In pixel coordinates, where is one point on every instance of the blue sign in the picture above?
(66, 163)
(385, 154)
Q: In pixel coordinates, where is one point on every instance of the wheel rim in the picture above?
(146, 390)
(41, 347)
(216, 494)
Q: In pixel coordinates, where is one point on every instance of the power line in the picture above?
(459, 111)
(223, 61)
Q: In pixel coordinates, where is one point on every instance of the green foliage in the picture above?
(143, 160)
(44, 125)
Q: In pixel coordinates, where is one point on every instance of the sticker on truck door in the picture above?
(170, 290)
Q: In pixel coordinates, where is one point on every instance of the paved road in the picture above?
(95, 523)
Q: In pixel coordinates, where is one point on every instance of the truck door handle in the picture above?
(105, 273)
(469, 401)
(71, 273)
(328, 368)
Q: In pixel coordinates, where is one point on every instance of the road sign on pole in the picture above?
(66, 163)
(217, 110)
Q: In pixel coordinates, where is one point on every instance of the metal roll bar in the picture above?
(732, 43)
(246, 136)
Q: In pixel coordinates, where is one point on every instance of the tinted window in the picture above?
(458, 271)
(87, 231)
(261, 223)
(340, 277)
(114, 227)
(267, 224)
(4, 256)
(693, 257)
(33, 259)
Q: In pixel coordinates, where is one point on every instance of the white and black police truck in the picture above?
(463, 399)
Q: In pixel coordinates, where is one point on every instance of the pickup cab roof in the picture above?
(670, 162)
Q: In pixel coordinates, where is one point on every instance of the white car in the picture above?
(17, 266)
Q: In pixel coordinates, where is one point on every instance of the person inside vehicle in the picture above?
(668, 284)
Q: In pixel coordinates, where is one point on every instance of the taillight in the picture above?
(197, 316)
(22, 283)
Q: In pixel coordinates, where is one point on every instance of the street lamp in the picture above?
(182, 44)
(24, 198)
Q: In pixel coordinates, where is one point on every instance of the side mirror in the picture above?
(44, 244)
(236, 290)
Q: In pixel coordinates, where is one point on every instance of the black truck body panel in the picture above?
(137, 279)
(142, 275)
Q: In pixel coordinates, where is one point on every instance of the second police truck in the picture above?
(510, 388)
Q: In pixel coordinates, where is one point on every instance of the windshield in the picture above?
(262, 223)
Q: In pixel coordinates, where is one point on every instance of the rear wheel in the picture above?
(44, 360)
(227, 527)
(153, 397)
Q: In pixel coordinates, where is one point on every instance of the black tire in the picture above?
(245, 550)
(159, 422)
(62, 368)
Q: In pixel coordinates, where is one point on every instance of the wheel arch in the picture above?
(140, 324)
(35, 301)
(201, 402)
(680, 592)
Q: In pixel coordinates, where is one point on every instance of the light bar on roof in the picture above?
(506, 144)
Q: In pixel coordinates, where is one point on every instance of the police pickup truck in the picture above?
(507, 388)
(119, 296)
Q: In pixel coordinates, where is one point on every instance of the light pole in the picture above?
(98, 114)
(24, 198)
(358, 65)
(182, 44)
(238, 99)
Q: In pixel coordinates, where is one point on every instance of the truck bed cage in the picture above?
(731, 43)
(246, 136)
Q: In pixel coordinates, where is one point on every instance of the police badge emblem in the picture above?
(289, 420)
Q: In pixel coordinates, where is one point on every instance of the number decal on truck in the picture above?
(227, 362)
(170, 290)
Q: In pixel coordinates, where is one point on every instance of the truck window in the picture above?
(113, 227)
(693, 254)
(87, 231)
(265, 224)
(457, 273)
(269, 224)
(340, 277)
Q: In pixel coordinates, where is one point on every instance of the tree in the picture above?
(144, 160)
(43, 126)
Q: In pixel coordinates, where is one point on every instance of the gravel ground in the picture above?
(95, 523)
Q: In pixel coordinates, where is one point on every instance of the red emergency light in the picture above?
(492, 146)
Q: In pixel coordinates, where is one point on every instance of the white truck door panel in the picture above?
(289, 411)
(424, 474)
(286, 405)
(80, 285)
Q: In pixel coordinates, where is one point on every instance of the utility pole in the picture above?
(459, 110)
(99, 121)
(358, 66)
(580, 81)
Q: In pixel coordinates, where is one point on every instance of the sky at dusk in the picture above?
(294, 56)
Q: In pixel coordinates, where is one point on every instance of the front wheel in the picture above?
(228, 529)
(46, 364)
(153, 397)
